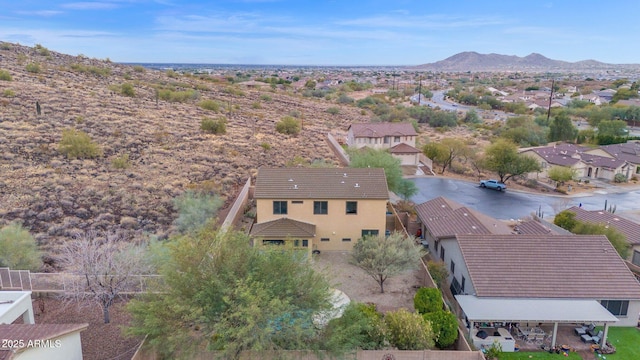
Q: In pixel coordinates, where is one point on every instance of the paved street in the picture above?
(514, 204)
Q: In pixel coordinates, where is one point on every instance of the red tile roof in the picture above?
(321, 183)
(630, 229)
(547, 266)
(445, 218)
(382, 129)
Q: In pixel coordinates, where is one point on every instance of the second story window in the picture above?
(396, 139)
(320, 208)
(280, 208)
(352, 207)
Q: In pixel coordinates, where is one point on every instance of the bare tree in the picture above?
(101, 267)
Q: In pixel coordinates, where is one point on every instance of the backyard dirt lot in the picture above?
(353, 281)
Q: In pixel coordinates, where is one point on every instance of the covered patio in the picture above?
(532, 311)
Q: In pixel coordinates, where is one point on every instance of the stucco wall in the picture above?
(67, 347)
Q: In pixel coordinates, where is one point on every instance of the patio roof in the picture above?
(533, 310)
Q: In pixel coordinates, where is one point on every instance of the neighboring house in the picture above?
(629, 152)
(323, 209)
(407, 154)
(630, 229)
(442, 218)
(586, 162)
(383, 135)
(574, 267)
(41, 341)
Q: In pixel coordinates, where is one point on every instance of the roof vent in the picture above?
(295, 186)
(357, 185)
(344, 175)
(342, 182)
(473, 227)
(465, 214)
(290, 179)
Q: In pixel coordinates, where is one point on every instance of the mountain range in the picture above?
(473, 61)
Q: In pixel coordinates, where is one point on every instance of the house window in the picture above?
(455, 286)
(616, 307)
(305, 243)
(297, 202)
(280, 208)
(637, 169)
(452, 267)
(442, 254)
(396, 139)
(386, 139)
(272, 242)
(636, 258)
(370, 233)
(437, 245)
(352, 207)
(324, 239)
(346, 239)
(462, 283)
(320, 208)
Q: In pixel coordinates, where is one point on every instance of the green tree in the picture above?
(406, 189)
(471, 117)
(446, 151)
(566, 219)
(221, 293)
(438, 271)
(428, 300)
(408, 331)
(503, 158)
(561, 173)
(382, 257)
(359, 327)
(195, 209)
(18, 248)
(378, 158)
(561, 128)
(77, 144)
(612, 128)
(288, 125)
(445, 327)
(616, 238)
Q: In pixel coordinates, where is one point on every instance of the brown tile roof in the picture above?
(31, 332)
(628, 151)
(547, 266)
(627, 227)
(532, 227)
(383, 129)
(445, 218)
(321, 183)
(284, 227)
(560, 154)
(403, 148)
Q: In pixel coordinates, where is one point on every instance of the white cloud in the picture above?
(43, 13)
(90, 5)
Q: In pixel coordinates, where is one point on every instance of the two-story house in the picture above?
(324, 209)
(383, 135)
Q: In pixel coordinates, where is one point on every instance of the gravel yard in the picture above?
(359, 286)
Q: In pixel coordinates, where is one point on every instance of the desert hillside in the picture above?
(168, 153)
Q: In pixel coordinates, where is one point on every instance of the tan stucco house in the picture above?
(383, 135)
(326, 209)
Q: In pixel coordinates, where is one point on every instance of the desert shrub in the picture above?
(18, 248)
(78, 144)
(126, 89)
(33, 68)
(138, 69)
(427, 300)
(345, 99)
(42, 50)
(172, 74)
(194, 210)
(5, 75)
(5, 46)
(265, 97)
(438, 271)
(256, 105)
(8, 93)
(408, 331)
(177, 96)
(121, 162)
(333, 110)
(94, 70)
(266, 146)
(445, 327)
(288, 125)
(209, 104)
(620, 178)
(359, 327)
(212, 126)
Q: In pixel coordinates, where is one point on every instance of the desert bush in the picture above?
(212, 126)
(126, 89)
(620, 178)
(266, 146)
(256, 105)
(121, 162)
(5, 75)
(408, 331)
(194, 210)
(177, 96)
(445, 327)
(33, 68)
(288, 125)
(138, 69)
(5, 46)
(8, 93)
(427, 300)
(77, 144)
(209, 104)
(333, 110)
(265, 97)
(94, 70)
(438, 271)
(18, 248)
(172, 74)
(344, 99)
(42, 50)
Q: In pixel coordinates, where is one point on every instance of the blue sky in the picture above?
(320, 32)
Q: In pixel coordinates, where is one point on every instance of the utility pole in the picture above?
(419, 89)
(550, 98)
